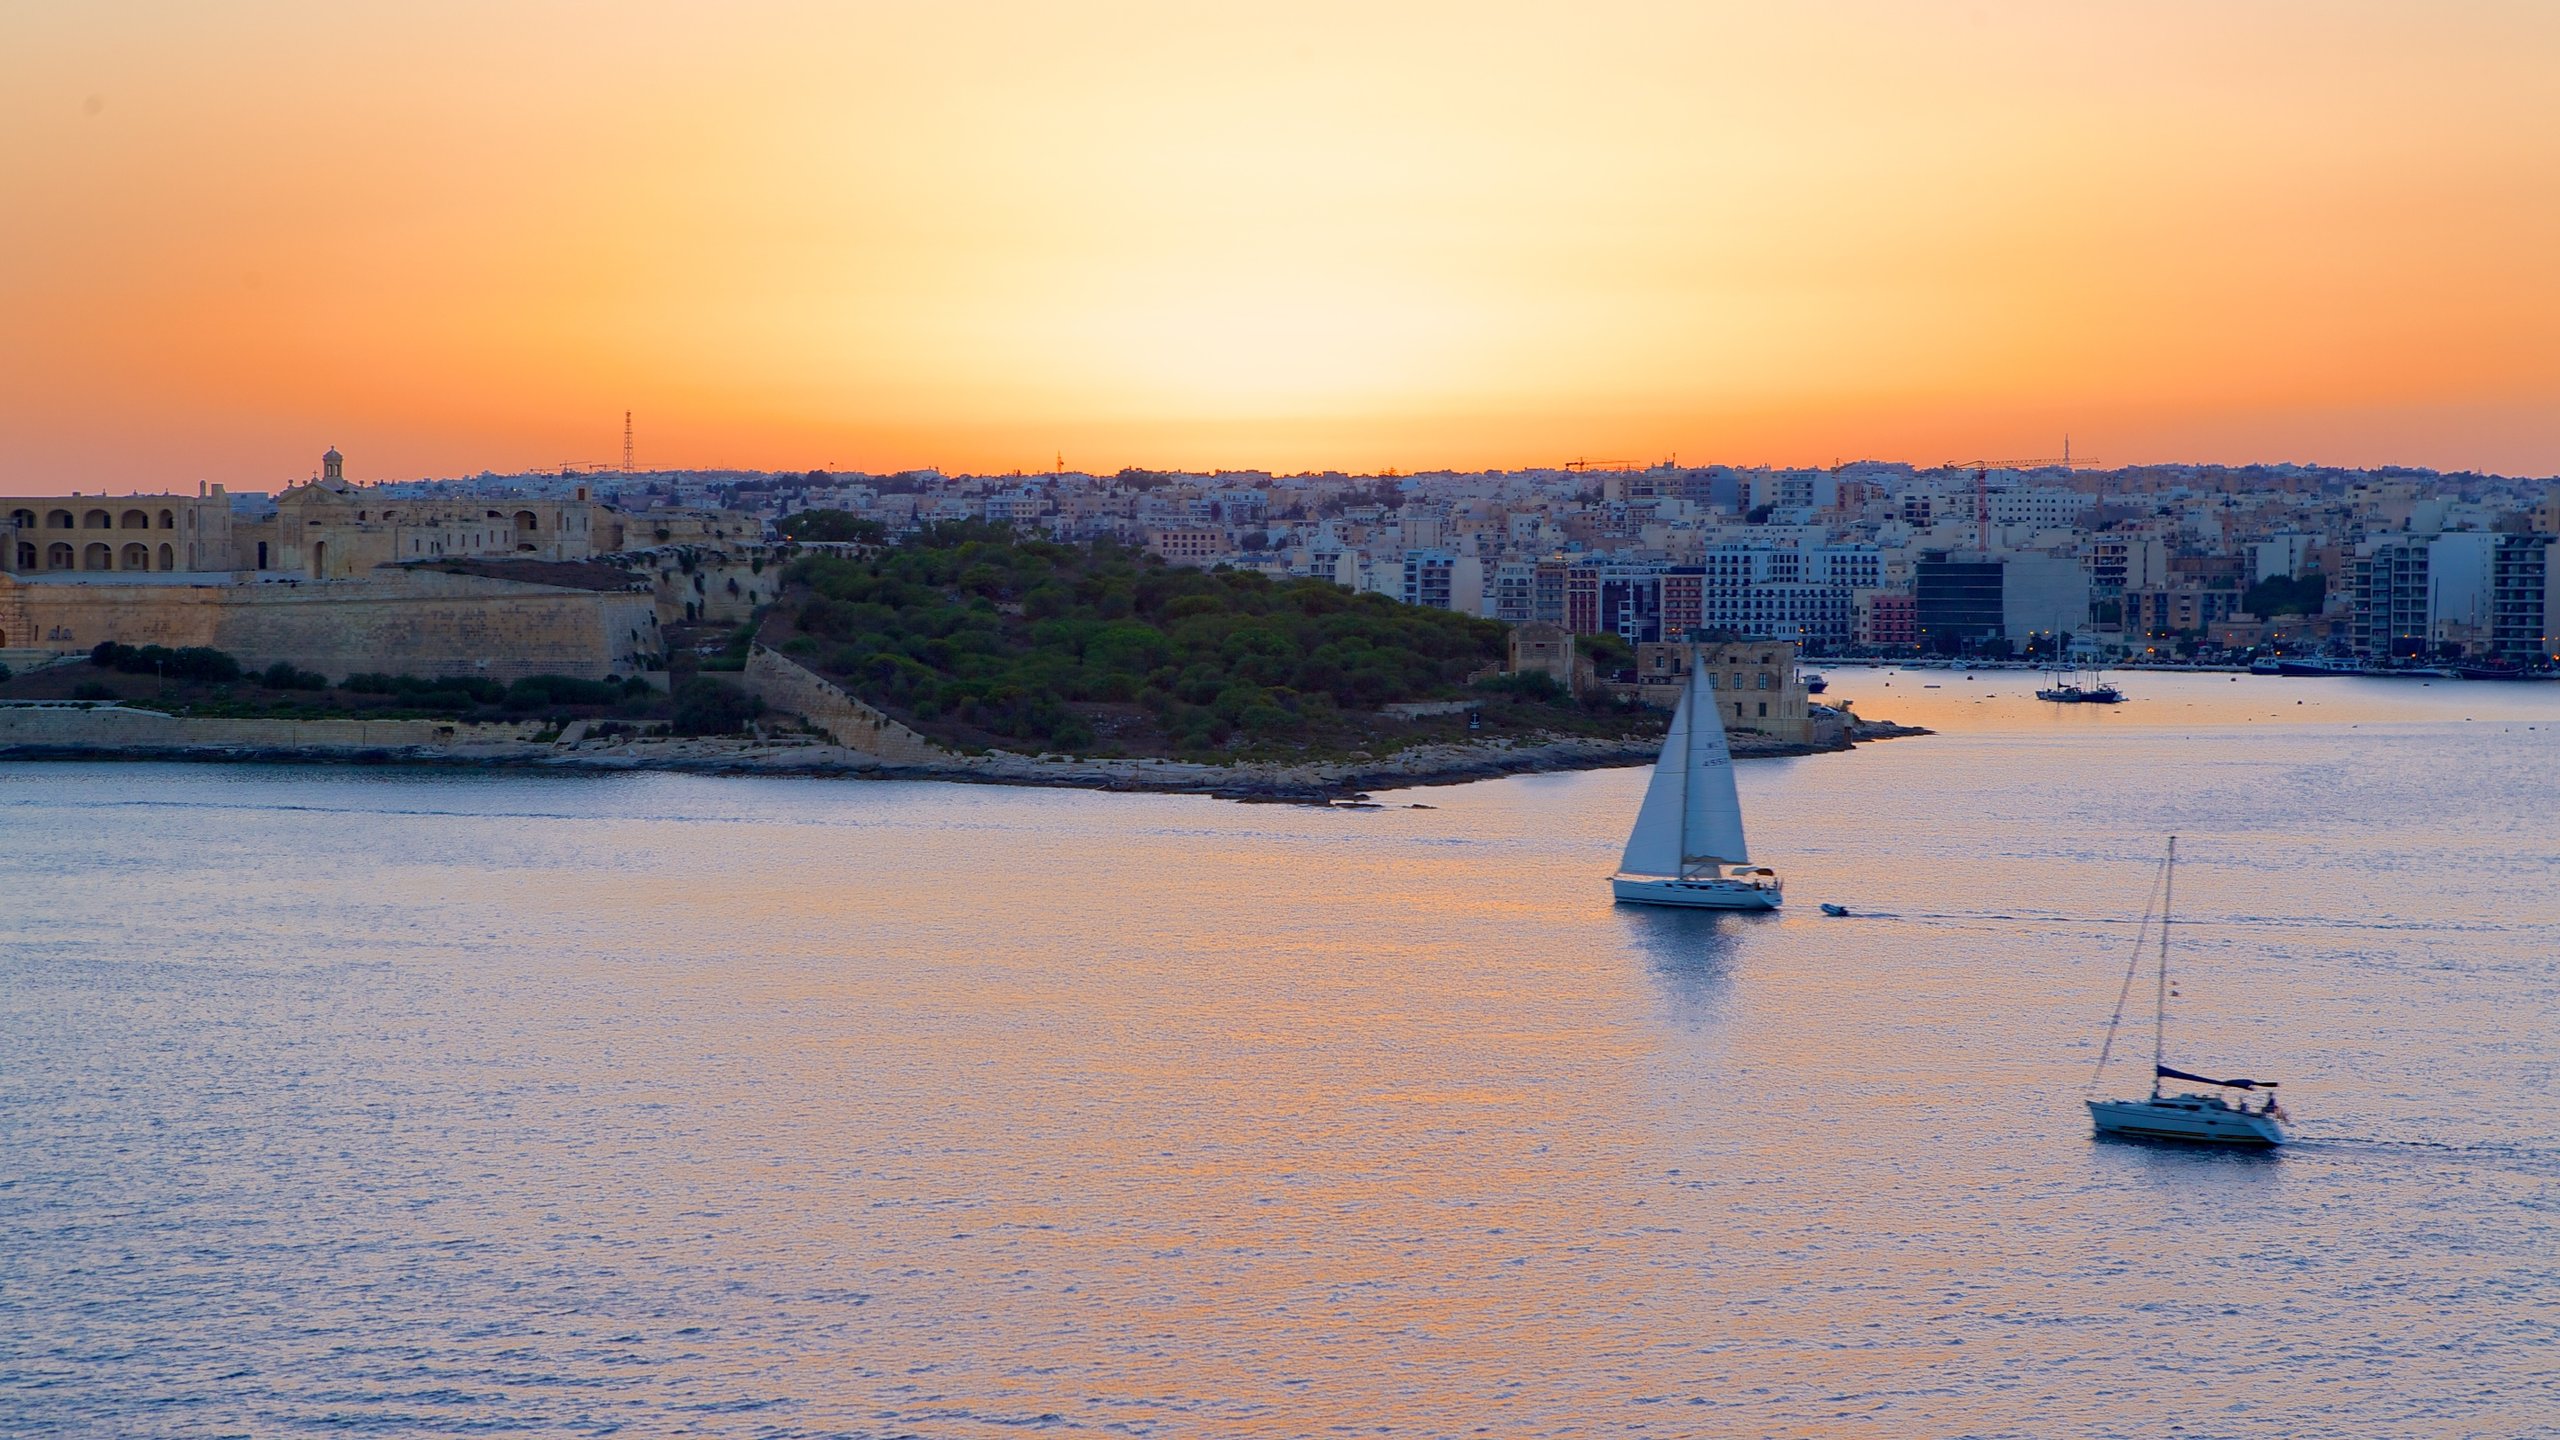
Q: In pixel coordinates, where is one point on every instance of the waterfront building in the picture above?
(2418, 591)
(1886, 618)
(2184, 608)
(2524, 601)
(1971, 601)
(1757, 685)
(2391, 596)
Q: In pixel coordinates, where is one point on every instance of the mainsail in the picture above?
(1691, 815)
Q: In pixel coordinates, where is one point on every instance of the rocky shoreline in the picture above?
(1312, 782)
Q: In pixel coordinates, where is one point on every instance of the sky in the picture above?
(992, 236)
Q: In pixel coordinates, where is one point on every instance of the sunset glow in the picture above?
(983, 236)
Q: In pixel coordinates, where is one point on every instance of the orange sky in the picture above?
(876, 236)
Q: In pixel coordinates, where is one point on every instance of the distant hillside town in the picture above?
(1872, 557)
(2038, 558)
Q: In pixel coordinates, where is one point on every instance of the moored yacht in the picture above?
(1687, 846)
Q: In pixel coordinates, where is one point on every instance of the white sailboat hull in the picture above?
(2194, 1118)
(1699, 892)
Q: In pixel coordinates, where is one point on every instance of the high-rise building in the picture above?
(2524, 601)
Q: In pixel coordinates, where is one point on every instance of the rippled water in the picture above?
(399, 1102)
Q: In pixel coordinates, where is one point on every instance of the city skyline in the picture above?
(978, 238)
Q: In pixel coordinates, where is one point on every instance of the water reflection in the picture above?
(1691, 954)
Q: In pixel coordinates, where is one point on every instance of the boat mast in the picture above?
(2160, 1003)
(1689, 757)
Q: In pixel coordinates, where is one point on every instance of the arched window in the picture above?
(23, 519)
(97, 520)
(168, 558)
(26, 557)
(57, 556)
(58, 519)
(527, 522)
(137, 520)
(136, 557)
(98, 557)
(168, 520)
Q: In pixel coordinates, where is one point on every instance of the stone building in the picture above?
(1756, 684)
(1545, 649)
(48, 534)
(328, 581)
(326, 529)
(329, 529)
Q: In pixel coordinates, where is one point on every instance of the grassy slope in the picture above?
(978, 637)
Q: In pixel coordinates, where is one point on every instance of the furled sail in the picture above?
(1691, 815)
(2165, 1073)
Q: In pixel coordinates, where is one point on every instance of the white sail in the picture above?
(1712, 828)
(1653, 847)
(1691, 814)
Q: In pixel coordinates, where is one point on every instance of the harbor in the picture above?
(677, 1100)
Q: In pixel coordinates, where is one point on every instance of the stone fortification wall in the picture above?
(721, 585)
(115, 728)
(426, 623)
(788, 686)
(413, 622)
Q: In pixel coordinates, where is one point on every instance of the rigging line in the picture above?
(2160, 1006)
(2132, 966)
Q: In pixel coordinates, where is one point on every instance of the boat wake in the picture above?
(2487, 1150)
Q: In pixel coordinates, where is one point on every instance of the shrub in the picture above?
(1528, 685)
(535, 691)
(282, 676)
(92, 690)
(707, 707)
(441, 692)
(188, 662)
(832, 525)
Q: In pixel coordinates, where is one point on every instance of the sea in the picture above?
(398, 1101)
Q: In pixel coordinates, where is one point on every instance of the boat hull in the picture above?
(1700, 893)
(2186, 1120)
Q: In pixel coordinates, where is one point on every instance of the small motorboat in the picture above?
(1830, 909)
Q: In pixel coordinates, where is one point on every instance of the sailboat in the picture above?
(2205, 1117)
(2073, 691)
(1687, 846)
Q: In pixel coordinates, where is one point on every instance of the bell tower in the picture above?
(333, 468)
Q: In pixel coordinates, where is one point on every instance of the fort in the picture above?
(338, 579)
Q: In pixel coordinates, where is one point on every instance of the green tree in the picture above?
(832, 525)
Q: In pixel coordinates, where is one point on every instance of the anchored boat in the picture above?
(1687, 846)
(2073, 690)
(2207, 1117)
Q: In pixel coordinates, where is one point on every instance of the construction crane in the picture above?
(1982, 483)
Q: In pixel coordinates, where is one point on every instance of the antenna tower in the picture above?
(626, 442)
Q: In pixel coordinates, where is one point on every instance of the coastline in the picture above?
(1301, 782)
